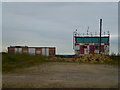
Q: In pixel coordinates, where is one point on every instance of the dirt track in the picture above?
(63, 75)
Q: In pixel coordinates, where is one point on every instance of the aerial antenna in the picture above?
(108, 32)
(75, 32)
(91, 33)
(87, 30)
(104, 33)
(83, 34)
(100, 36)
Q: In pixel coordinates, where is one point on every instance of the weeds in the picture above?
(10, 62)
(13, 61)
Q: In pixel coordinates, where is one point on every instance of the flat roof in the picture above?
(91, 36)
(32, 47)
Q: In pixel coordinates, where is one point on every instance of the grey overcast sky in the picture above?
(53, 23)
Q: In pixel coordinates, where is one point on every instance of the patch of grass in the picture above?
(115, 60)
(11, 62)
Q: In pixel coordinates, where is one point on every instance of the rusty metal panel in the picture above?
(52, 51)
(25, 50)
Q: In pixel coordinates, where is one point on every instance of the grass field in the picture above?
(115, 60)
(28, 71)
(15, 61)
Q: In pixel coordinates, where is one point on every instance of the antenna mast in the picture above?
(87, 30)
(100, 35)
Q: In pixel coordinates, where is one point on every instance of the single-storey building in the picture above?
(91, 44)
(45, 51)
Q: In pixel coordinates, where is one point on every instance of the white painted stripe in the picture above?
(92, 43)
(16, 50)
(81, 43)
(20, 50)
(47, 51)
(102, 43)
(43, 51)
(31, 51)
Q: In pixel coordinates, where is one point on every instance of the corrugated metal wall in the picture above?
(31, 51)
(90, 45)
(90, 48)
(45, 51)
(18, 50)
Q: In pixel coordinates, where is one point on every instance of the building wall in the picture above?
(82, 46)
(45, 51)
(11, 50)
(24, 50)
(31, 51)
(38, 51)
(52, 51)
(82, 49)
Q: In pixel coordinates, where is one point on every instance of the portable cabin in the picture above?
(45, 51)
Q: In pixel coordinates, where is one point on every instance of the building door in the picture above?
(91, 49)
(81, 49)
(102, 48)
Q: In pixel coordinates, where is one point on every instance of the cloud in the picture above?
(52, 24)
(60, 1)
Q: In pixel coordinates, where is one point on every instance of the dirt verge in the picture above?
(63, 75)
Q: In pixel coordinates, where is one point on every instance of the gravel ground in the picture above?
(63, 75)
